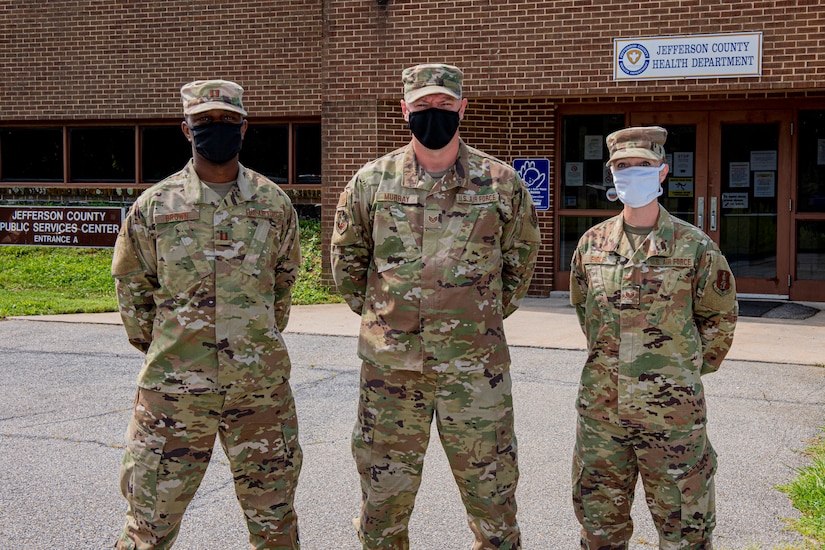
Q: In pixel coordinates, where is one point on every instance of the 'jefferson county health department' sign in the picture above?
(690, 56)
(81, 226)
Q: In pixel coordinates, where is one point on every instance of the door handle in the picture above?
(713, 213)
(700, 213)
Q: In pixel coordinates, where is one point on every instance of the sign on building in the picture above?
(536, 175)
(688, 56)
(94, 227)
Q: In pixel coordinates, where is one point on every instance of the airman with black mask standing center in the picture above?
(434, 244)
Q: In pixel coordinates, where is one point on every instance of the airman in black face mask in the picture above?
(434, 244)
(204, 265)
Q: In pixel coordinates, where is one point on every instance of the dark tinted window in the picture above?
(165, 150)
(31, 154)
(584, 154)
(102, 154)
(308, 153)
(811, 161)
(266, 150)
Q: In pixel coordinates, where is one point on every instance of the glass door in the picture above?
(686, 186)
(749, 196)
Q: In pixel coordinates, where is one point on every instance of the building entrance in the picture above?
(731, 176)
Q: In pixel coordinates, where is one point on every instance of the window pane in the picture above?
(266, 150)
(165, 150)
(32, 154)
(811, 161)
(572, 228)
(308, 153)
(810, 250)
(102, 154)
(584, 152)
(679, 186)
(748, 224)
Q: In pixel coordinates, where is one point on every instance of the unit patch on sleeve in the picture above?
(723, 281)
(341, 221)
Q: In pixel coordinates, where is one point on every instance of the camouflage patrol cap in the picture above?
(638, 142)
(431, 78)
(204, 95)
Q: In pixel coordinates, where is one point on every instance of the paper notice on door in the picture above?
(764, 184)
(734, 200)
(683, 164)
(574, 174)
(680, 187)
(763, 160)
(592, 147)
(739, 174)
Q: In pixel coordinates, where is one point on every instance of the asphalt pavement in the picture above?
(67, 385)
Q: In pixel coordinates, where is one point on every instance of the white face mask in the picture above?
(637, 186)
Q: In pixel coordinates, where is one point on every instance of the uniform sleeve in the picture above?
(715, 308)
(578, 287)
(351, 245)
(287, 265)
(519, 249)
(134, 268)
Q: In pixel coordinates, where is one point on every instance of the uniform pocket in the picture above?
(252, 264)
(181, 261)
(578, 502)
(139, 471)
(697, 490)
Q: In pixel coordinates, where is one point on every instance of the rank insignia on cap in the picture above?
(723, 283)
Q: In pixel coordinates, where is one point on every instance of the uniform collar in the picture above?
(194, 188)
(457, 176)
(663, 244)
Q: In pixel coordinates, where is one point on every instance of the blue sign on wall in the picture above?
(536, 175)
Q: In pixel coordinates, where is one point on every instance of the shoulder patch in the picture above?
(341, 221)
(724, 282)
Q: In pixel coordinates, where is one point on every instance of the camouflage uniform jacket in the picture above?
(434, 267)
(655, 321)
(204, 284)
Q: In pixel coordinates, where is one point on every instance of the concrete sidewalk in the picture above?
(551, 323)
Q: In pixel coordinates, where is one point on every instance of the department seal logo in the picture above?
(634, 59)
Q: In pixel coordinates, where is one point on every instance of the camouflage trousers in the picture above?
(169, 443)
(474, 417)
(677, 469)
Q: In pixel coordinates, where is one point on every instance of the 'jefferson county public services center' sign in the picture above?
(692, 56)
(93, 227)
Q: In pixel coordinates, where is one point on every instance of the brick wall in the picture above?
(341, 60)
(118, 59)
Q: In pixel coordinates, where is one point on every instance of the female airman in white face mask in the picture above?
(656, 301)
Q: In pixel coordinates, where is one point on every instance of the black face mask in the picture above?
(434, 128)
(217, 142)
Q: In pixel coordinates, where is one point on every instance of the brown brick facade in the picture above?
(339, 61)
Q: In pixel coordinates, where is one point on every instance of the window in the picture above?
(584, 178)
(102, 154)
(266, 150)
(811, 160)
(31, 154)
(164, 151)
(308, 153)
(287, 153)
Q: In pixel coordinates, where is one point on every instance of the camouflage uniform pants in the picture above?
(474, 416)
(677, 469)
(169, 443)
